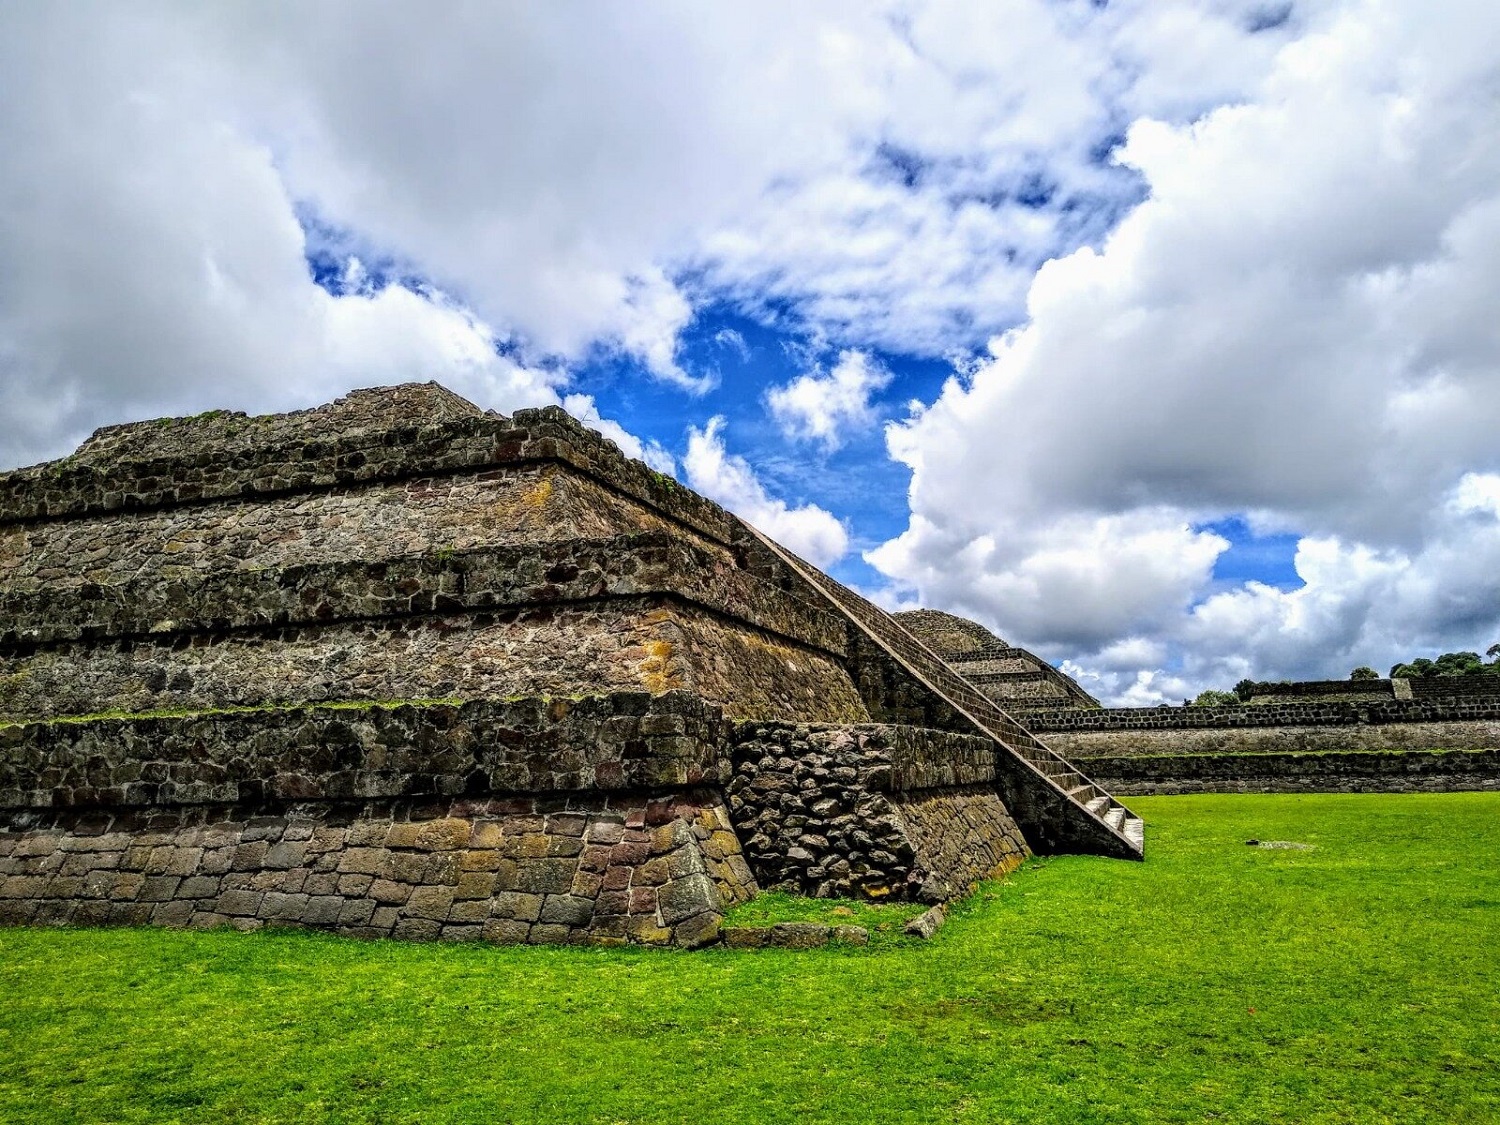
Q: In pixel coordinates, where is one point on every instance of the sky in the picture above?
(1160, 336)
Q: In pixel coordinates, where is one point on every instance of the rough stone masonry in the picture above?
(398, 666)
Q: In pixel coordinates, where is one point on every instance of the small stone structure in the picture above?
(1310, 736)
(1326, 745)
(401, 666)
(1014, 678)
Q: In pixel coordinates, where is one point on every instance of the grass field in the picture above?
(1356, 981)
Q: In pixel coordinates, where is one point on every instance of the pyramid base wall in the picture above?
(653, 869)
(620, 818)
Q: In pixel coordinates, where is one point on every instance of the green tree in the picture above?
(1417, 669)
(1212, 698)
(1364, 672)
(1245, 689)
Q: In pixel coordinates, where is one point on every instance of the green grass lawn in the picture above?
(1353, 982)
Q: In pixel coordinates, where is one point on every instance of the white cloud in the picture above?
(1293, 322)
(553, 175)
(807, 530)
(820, 406)
(1291, 325)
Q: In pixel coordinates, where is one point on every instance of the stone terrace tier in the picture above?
(386, 434)
(596, 819)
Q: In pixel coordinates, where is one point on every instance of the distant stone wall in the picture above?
(652, 869)
(1456, 687)
(1281, 728)
(869, 811)
(1356, 772)
(1084, 747)
(1354, 691)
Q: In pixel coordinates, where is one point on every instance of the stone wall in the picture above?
(1354, 772)
(480, 579)
(623, 643)
(508, 506)
(1085, 747)
(869, 811)
(656, 869)
(631, 741)
(1456, 687)
(538, 819)
(387, 434)
(1433, 724)
(515, 820)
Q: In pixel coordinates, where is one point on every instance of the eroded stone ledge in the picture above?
(617, 742)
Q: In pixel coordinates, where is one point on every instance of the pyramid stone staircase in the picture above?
(1058, 808)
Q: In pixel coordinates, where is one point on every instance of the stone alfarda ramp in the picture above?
(1057, 807)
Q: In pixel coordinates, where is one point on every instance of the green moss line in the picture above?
(275, 707)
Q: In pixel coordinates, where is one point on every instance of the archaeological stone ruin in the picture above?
(399, 666)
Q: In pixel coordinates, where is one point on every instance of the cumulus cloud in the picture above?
(1292, 325)
(807, 530)
(889, 174)
(821, 405)
(1233, 258)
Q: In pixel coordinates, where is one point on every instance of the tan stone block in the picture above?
(645, 931)
(389, 891)
(534, 846)
(184, 861)
(507, 875)
(402, 834)
(487, 834)
(353, 884)
(368, 833)
(429, 902)
(357, 861)
(475, 884)
(444, 835)
(506, 931)
(404, 867)
(473, 910)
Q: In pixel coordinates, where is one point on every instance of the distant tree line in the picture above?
(1449, 664)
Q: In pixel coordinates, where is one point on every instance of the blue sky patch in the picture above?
(1254, 558)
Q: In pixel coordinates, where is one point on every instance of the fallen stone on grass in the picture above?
(927, 923)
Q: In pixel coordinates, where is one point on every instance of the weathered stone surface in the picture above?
(515, 746)
(429, 841)
(927, 923)
(1413, 771)
(872, 811)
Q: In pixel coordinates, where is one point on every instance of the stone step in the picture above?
(1081, 793)
(1098, 805)
(1135, 831)
(1115, 817)
(940, 678)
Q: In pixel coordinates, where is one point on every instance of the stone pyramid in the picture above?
(401, 666)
